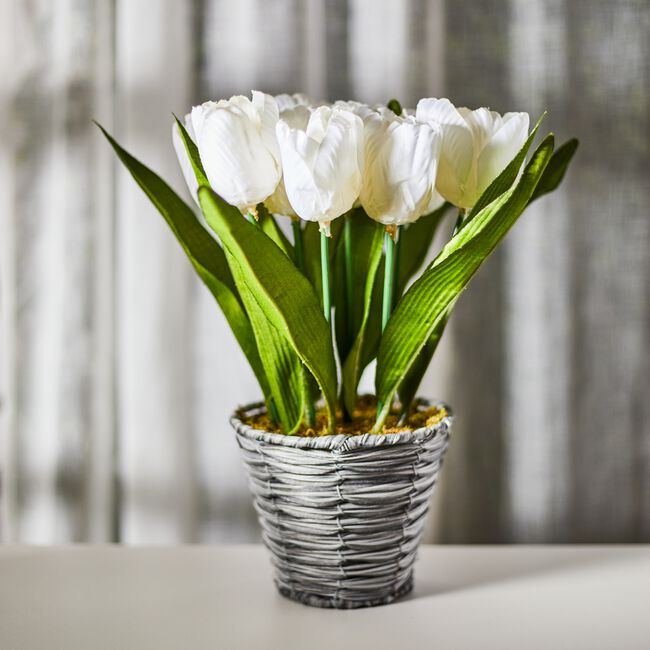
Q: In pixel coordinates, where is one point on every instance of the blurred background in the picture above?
(117, 369)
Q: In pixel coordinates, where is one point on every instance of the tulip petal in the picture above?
(233, 145)
(502, 148)
(454, 178)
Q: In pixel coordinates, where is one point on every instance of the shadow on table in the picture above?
(470, 568)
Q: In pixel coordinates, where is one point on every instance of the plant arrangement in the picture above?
(365, 190)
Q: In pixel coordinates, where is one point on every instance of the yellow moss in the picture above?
(362, 421)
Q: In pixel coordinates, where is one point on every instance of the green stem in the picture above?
(389, 286)
(300, 263)
(251, 217)
(389, 279)
(398, 247)
(325, 275)
(349, 279)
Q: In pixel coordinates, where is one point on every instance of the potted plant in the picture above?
(341, 483)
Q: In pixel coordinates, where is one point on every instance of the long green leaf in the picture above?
(427, 301)
(281, 363)
(416, 242)
(556, 169)
(205, 254)
(367, 237)
(349, 310)
(193, 154)
(550, 180)
(269, 225)
(284, 295)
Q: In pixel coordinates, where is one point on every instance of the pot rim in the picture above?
(341, 442)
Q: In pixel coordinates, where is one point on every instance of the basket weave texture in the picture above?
(342, 515)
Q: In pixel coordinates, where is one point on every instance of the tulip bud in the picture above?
(322, 162)
(476, 147)
(401, 160)
(238, 148)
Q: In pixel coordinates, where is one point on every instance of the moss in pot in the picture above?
(341, 484)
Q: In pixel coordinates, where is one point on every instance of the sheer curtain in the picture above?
(117, 370)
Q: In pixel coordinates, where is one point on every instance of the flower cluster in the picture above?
(316, 161)
(311, 312)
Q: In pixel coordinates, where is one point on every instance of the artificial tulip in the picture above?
(238, 148)
(297, 117)
(322, 162)
(476, 147)
(401, 159)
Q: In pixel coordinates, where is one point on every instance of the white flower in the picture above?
(297, 117)
(476, 146)
(322, 163)
(286, 102)
(183, 157)
(238, 148)
(401, 159)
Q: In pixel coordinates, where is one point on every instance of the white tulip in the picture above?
(297, 117)
(401, 160)
(476, 147)
(322, 163)
(238, 148)
(286, 102)
(183, 157)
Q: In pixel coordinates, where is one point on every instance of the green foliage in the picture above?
(363, 255)
(426, 303)
(275, 308)
(205, 254)
(556, 169)
(288, 301)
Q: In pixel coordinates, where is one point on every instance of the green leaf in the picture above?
(550, 180)
(361, 231)
(556, 169)
(416, 242)
(269, 225)
(283, 294)
(426, 303)
(193, 153)
(367, 241)
(284, 371)
(411, 383)
(503, 182)
(205, 254)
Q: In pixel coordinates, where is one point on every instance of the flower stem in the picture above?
(389, 276)
(325, 275)
(251, 218)
(300, 263)
(349, 279)
(398, 247)
(390, 269)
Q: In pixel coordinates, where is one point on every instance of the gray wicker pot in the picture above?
(342, 515)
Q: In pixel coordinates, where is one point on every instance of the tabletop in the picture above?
(222, 597)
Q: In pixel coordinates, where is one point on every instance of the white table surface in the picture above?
(222, 597)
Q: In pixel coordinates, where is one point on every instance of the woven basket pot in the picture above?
(342, 515)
